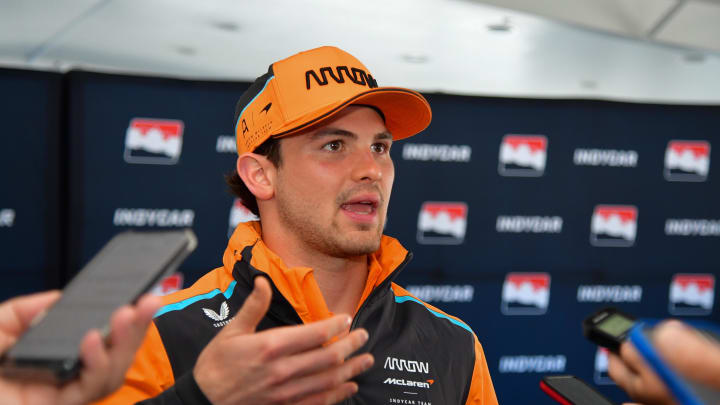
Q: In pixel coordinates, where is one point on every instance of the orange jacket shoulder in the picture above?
(149, 375)
(482, 391)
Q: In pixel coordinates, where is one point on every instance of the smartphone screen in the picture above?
(126, 267)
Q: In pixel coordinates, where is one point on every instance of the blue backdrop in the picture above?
(30, 181)
(524, 215)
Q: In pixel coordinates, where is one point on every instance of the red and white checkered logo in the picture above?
(614, 225)
(687, 160)
(692, 294)
(525, 294)
(523, 155)
(153, 141)
(442, 223)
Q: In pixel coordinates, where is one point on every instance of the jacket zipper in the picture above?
(379, 290)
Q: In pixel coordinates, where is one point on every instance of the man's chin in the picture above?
(352, 247)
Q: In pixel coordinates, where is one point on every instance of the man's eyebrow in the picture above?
(329, 131)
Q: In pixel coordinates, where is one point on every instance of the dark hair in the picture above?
(269, 149)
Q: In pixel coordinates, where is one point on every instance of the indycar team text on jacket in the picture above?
(422, 355)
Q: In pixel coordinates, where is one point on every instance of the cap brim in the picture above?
(406, 112)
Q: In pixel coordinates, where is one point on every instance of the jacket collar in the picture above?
(297, 284)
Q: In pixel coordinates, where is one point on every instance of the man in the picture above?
(314, 137)
(103, 366)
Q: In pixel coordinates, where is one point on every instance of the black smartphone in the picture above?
(570, 390)
(126, 267)
(608, 328)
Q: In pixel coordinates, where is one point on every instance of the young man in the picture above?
(314, 275)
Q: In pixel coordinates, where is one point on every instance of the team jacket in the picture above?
(422, 355)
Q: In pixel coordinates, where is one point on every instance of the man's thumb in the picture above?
(254, 308)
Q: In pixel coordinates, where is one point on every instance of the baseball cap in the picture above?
(309, 87)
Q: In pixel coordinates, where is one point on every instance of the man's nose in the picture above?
(366, 168)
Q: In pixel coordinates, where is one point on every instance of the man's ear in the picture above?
(258, 173)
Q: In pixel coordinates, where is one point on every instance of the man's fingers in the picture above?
(688, 352)
(631, 358)
(128, 327)
(289, 340)
(323, 358)
(333, 396)
(253, 310)
(146, 308)
(104, 367)
(96, 363)
(329, 380)
(619, 372)
(634, 376)
(17, 313)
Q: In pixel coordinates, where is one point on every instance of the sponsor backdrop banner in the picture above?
(524, 215)
(150, 153)
(29, 176)
(527, 215)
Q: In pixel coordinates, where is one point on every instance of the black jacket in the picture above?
(422, 355)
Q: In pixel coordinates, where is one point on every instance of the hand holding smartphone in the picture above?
(128, 266)
(610, 328)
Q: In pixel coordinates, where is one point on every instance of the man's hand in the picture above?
(283, 365)
(103, 366)
(682, 348)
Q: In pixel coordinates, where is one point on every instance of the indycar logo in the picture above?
(442, 223)
(525, 294)
(609, 293)
(601, 375)
(613, 226)
(436, 153)
(153, 141)
(532, 364)
(442, 293)
(523, 155)
(692, 294)
(226, 144)
(169, 284)
(239, 214)
(687, 160)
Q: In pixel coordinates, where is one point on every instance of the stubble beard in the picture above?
(298, 219)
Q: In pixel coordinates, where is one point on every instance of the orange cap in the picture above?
(312, 86)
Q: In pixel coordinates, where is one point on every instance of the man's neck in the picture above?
(342, 285)
(341, 280)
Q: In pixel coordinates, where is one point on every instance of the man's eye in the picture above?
(333, 146)
(380, 148)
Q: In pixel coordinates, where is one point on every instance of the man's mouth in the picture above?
(362, 205)
(365, 207)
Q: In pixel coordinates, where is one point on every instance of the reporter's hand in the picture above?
(635, 377)
(103, 366)
(287, 365)
(688, 353)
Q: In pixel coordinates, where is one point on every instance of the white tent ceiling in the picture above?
(644, 50)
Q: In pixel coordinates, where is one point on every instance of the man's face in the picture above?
(334, 182)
